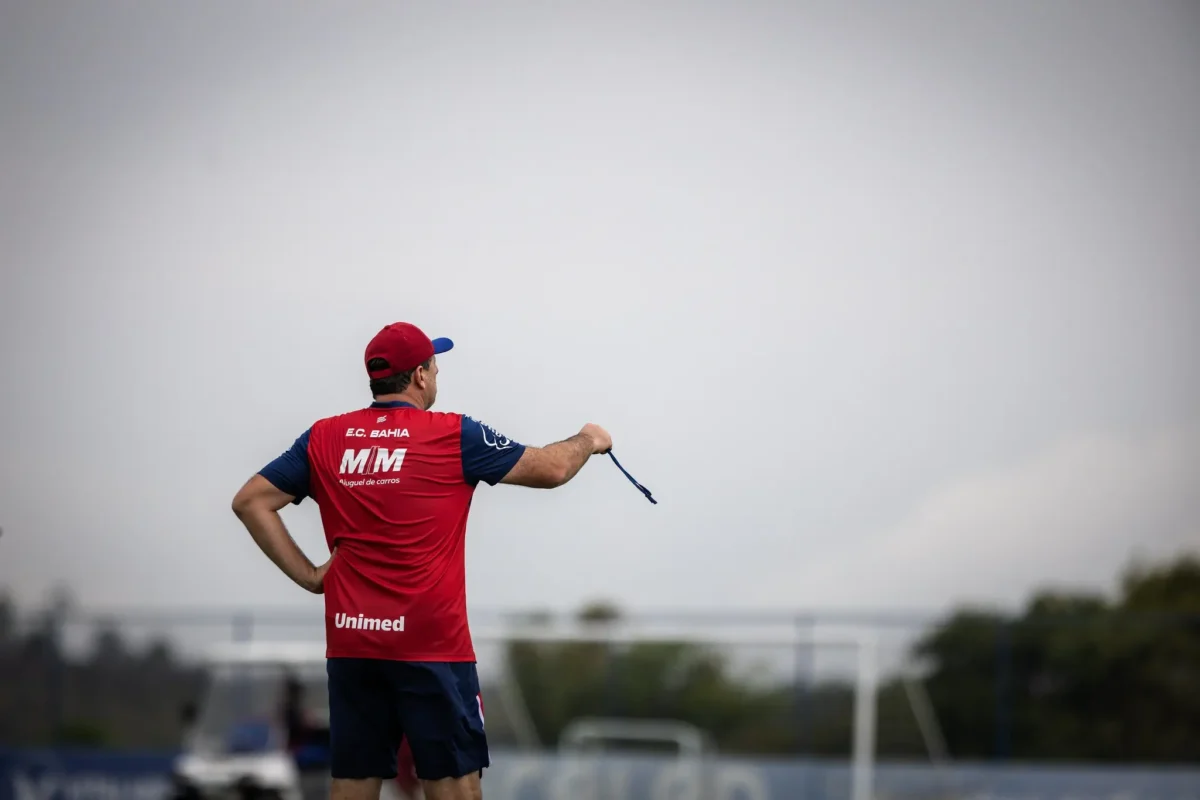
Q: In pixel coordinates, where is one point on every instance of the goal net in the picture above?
(621, 709)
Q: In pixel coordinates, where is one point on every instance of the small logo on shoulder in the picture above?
(493, 437)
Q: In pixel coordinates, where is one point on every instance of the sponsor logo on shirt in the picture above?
(365, 623)
(371, 461)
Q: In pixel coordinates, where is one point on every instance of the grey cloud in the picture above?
(811, 264)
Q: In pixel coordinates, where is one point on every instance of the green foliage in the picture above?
(565, 681)
(114, 696)
(742, 713)
(1074, 676)
(1087, 678)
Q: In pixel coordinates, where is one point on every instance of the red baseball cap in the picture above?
(403, 346)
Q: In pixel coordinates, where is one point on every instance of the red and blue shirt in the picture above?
(394, 487)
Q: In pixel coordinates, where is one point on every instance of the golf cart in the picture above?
(261, 729)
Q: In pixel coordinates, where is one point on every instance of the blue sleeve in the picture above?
(289, 472)
(487, 455)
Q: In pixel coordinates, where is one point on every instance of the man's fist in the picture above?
(601, 441)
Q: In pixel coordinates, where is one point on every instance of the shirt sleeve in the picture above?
(289, 472)
(487, 454)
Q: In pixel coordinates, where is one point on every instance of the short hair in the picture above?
(392, 384)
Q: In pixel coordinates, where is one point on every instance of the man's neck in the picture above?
(404, 397)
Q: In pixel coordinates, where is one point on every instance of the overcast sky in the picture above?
(892, 306)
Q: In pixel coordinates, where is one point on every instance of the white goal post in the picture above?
(862, 642)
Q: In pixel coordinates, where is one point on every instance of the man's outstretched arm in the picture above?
(257, 505)
(555, 464)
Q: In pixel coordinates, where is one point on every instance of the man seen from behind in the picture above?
(394, 483)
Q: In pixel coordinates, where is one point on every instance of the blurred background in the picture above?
(895, 307)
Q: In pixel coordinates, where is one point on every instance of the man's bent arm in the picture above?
(257, 505)
(553, 465)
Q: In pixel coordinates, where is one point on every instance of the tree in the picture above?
(113, 696)
(1076, 676)
(8, 622)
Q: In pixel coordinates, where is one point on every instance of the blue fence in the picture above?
(89, 775)
(84, 775)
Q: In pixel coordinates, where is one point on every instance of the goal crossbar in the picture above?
(863, 642)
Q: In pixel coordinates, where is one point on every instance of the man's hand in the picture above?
(601, 441)
(315, 583)
(257, 505)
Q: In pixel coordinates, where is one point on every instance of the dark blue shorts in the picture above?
(374, 704)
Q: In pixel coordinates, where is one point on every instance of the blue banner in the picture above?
(563, 778)
(84, 775)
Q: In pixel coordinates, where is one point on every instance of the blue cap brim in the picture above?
(442, 345)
